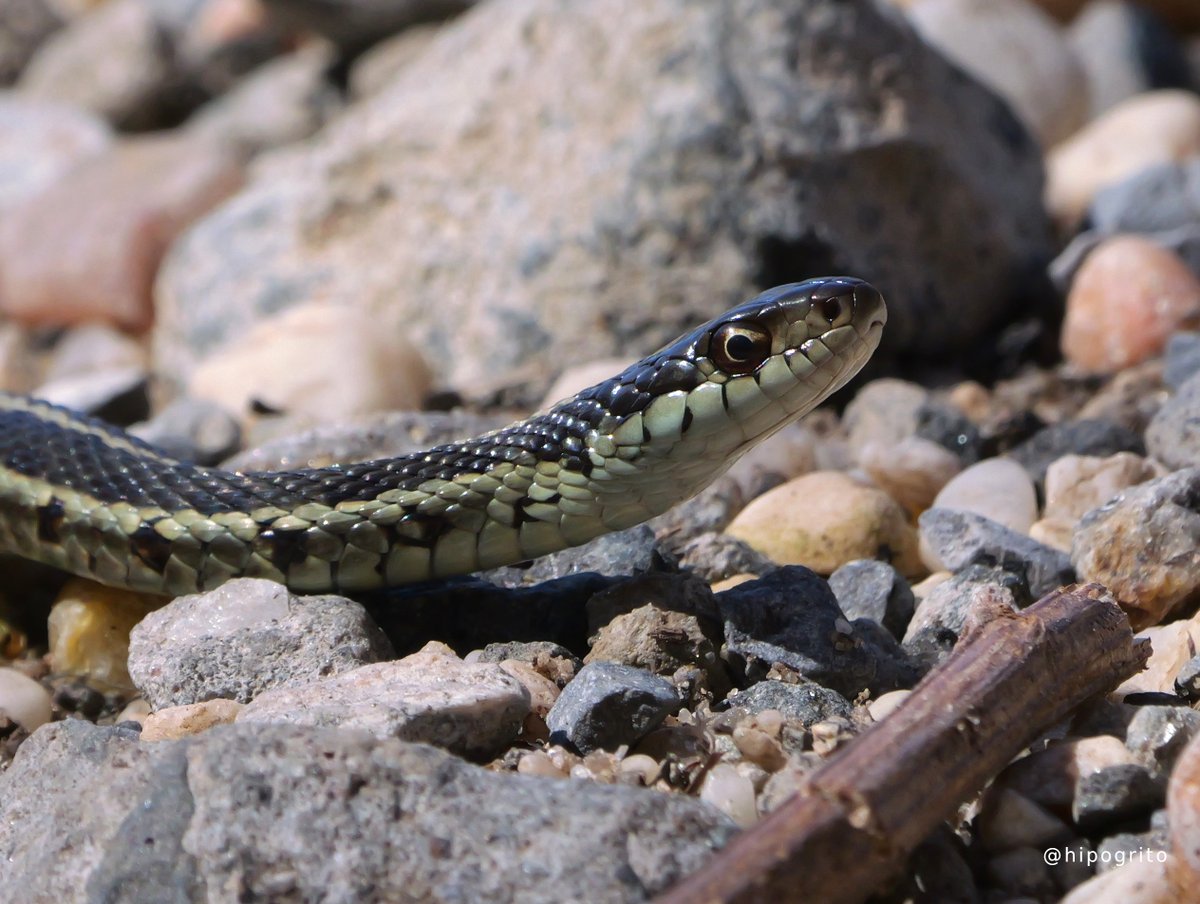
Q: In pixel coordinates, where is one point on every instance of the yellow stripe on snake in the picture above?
(85, 497)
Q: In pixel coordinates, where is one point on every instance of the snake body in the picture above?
(86, 497)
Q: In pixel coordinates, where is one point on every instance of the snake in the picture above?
(83, 496)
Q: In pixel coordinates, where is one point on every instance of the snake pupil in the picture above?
(739, 347)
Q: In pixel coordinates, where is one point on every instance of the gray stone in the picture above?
(1181, 360)
(671, 221)
(715, 557)
(1142, 545)
(1083, 437)
(1157, 199)
(530, 652)
(1173, 436)
(143, 64)
(708, 512)
(473, 709)
(970, 595)
(1125, 50)
(1114, 794)
(40, 141)
(24, 25)
(608, 705)
(790, 616)
(194, 430)
(287, 813)
(874, 590)
(283, 101)
(1158, 734)
(622, 553)
(960, 538)
(245, 637)
(950, 428)
(806, 702)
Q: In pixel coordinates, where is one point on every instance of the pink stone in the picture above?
(1127, 298)
(88, 247)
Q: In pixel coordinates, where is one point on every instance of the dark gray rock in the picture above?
(1083, 437)
(88, 814)
(790, 616)
(968, 596)
(1187, 682)
(1158, 734)
(950, 428)
(708, 512)
(963, 538)
(1153, 200)
(1114, 794)
(245, 637)
(528, 651)
(715, 557)
(806, 702)
(837, 183)
(938, 871)
(1181, 360)
(1173, 436)
(194, 430)
(874, 590)
(608, 705)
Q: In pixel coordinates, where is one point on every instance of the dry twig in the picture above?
(857, 819)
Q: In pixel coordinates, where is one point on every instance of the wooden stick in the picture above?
(856, 820)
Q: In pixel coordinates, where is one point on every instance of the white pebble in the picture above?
(23, 700)
(997, 488)
(731, 793)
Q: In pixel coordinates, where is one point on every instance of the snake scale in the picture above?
(86, 497)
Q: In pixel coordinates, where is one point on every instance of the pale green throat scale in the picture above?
(83, 496)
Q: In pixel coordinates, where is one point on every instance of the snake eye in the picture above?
(740, 347)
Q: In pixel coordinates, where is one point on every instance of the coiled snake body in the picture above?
(85, 497)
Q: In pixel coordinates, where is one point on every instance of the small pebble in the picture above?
(996, 488)
(23, 700)
(89, 630)
(182, 721)
(1010, 820)
(912, 471)
(730, 792)
(608, 705)
(1187, 681)
(1127, 298)
(866, 588)
(1154, 127)
(824, 520)
(886, 704)
(1076, 484)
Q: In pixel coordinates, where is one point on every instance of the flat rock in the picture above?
(791, 616)
(473, 709)
(1114, 794)
(609, 704)
(655, 113)
(960, 539)
(245, 637)
(621, 553)
(1173, 436)
(715, 557)
(270, 811)
(1088, 436)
